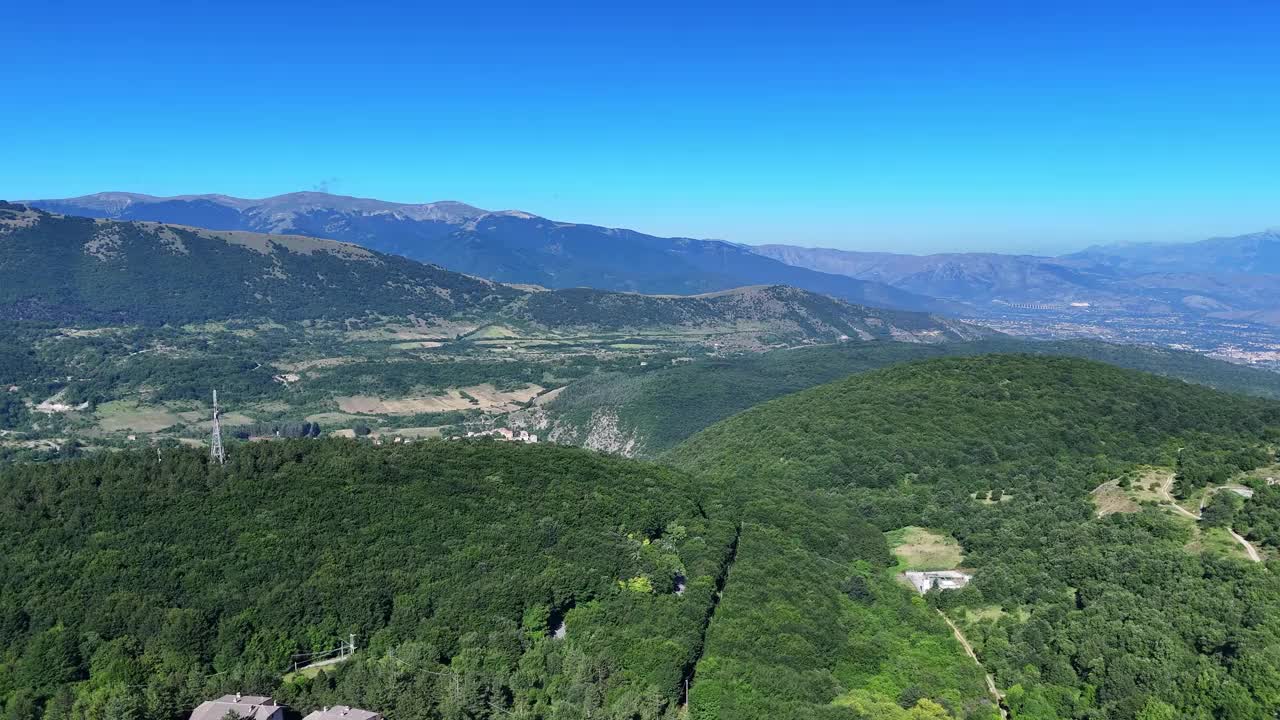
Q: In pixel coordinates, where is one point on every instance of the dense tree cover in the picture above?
(810, 626)
(1259, 519)
(662, 406)
(1208, 460)
(1108, 617)
(133, 588)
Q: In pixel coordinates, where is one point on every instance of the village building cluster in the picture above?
(507, 435)
(259, 707)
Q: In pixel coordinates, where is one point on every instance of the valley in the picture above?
(1217, 296)
(639, 361)
(762, 476)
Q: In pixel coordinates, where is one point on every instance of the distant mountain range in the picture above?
(1252, 254)
(1234, 278)
(508, 246)
(70, 269)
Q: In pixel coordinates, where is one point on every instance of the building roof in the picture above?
(342, 712)
(941, 579)
(256, 707)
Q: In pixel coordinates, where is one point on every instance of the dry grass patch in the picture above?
(333, 418)
(121, 415)
(918, 548)
(548, 396)
(477, 397)
(1151, 485)
(1110, 499)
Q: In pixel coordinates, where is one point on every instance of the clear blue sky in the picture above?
(917, 126)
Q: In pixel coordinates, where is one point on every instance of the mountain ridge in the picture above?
(1133, 279)
(76, 269)
(508, 246)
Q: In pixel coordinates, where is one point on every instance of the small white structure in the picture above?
(927, 580)
(251, 707)
(342, 712)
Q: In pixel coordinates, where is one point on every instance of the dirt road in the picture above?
(968, 649)
(1254, 555)
(1165, 493)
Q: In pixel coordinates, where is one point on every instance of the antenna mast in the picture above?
(215, 444)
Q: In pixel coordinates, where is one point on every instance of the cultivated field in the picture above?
(476, 397)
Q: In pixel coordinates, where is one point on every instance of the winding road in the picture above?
(1165, 493)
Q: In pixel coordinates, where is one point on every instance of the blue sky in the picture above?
(916, 126)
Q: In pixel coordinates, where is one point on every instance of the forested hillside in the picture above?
(647, 411)
(136, 584)
(1077, 613)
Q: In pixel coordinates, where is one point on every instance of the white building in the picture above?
(927, 580)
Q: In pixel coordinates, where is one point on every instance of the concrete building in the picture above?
(251, 707)
(342, 712)
(940, 579)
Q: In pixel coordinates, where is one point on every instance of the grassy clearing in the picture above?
(1148, 485)
(334, 418)
(309, 672)
(121, 415)
(920, 549)
(1217, 541)
(492, 332)
(988, 613)
(1111, 499)
(1260, 475)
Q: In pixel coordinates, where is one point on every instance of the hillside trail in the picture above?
(1165, 493)
(968, 649)
(1254, 555)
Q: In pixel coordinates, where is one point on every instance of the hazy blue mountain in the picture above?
(508, 246)
(71, 269)
(1251, 254)
(1229, 278)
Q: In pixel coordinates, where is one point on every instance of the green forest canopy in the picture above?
(1093, 617)
(135, 587)
(663, 406)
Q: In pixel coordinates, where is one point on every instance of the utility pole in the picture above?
(215, 444)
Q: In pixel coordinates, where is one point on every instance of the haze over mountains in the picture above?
(1222, 278)
(1229, 278)
(508, 246)
(73, 269)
